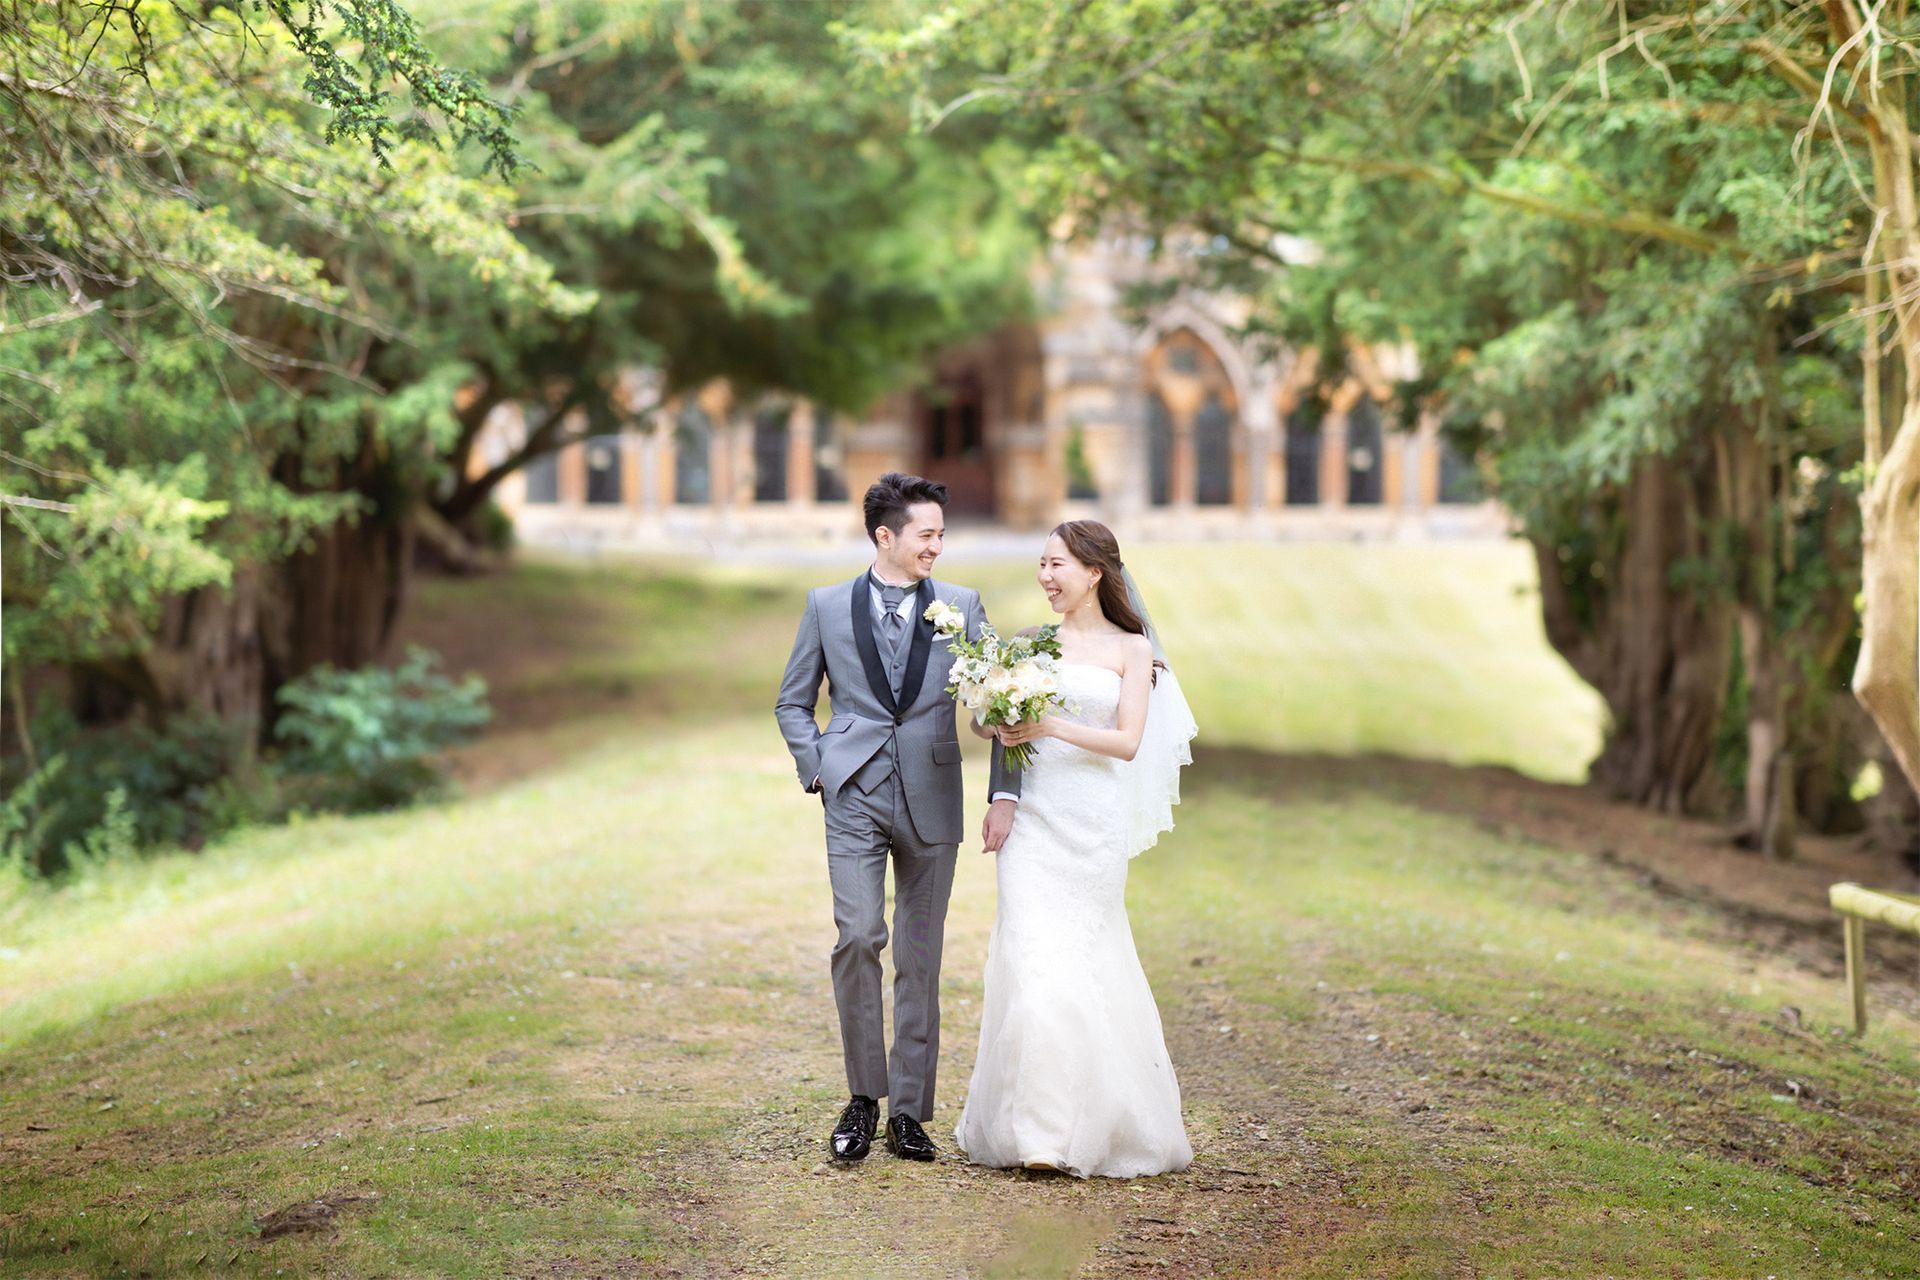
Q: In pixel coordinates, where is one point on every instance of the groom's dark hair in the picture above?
(889, 497)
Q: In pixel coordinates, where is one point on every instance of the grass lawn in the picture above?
(578, 1023)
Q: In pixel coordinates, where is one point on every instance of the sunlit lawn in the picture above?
(579, 1022)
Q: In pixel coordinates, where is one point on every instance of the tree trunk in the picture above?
(1892, 816)
(1832, 736)
(1887, 679)
(228, 651)
(207, 655)
(1657, 655)
(1768, 823)
(1746, 487)
(470, 493)
(338, 601)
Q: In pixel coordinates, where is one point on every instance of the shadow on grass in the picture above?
(1769, 904)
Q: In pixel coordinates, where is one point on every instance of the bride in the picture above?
(1073, 1072)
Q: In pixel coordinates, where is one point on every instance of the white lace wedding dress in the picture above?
(1073, 1069)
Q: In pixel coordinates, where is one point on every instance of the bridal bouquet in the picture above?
(1001, 681)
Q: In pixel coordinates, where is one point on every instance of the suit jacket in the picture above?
(838, 639)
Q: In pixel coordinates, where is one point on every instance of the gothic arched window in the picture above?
(1365, 454)
(543, 479)
(1459, 478)
(1159, 451)
(770, 437)
(603, 469)
(1303, 458)
(1213, 454)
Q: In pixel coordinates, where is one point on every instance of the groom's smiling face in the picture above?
(913, 550)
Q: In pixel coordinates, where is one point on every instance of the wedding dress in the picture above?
(1073, 1070)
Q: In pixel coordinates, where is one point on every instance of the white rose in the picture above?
(945, 618)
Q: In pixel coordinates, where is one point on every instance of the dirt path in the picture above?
(766, 1201)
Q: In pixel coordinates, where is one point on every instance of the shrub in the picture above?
(104, 792)
(493, 528)
(359, 740)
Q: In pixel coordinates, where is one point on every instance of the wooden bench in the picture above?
(1857, 906)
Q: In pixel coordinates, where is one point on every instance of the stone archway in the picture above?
(951, 414)
(979, 427)
(1183, 314)
(1194, 437)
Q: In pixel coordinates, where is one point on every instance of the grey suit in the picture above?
(889, 769)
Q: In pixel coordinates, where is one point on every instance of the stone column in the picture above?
(1261, 423)
(1129, 497)
(1425, 491)
(1392, 464)
(572, 464)
(1027, 476)
(666, 446)
(716, 399)
(646, 465)
(800, 475)
(1333, 454)
(884, 441)
(631, 477)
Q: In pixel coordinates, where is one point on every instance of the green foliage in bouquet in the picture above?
(1001, 681)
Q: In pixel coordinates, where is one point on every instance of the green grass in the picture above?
(1436, 652)
(579, 1022)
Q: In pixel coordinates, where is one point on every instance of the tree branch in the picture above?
(1629, 223)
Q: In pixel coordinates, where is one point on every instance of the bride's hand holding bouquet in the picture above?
(1009, 685)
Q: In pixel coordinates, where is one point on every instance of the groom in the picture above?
(887, 770)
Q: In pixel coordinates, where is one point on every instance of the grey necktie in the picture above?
(890, 598)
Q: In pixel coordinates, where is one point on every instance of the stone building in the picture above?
(1169, 428)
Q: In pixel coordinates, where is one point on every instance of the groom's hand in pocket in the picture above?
(999, 821)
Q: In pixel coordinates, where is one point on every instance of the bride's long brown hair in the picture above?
(1093, 545)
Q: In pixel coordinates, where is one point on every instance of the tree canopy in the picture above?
(271, 265)
(1628, 245)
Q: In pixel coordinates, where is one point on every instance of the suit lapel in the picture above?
(922, 642)
(862, 595)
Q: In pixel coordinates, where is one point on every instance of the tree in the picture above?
(1596, 223)
(743, 207)
(287, 345)
(205, 347)
(1866, 109)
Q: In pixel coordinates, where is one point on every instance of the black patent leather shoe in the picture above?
(853, 1136)
(906, 1139)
